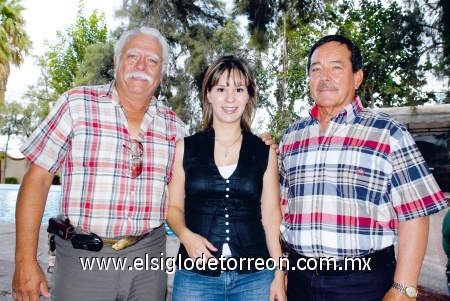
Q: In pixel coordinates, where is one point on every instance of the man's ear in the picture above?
(358, 77)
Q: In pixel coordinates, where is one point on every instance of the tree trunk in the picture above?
(5, 70)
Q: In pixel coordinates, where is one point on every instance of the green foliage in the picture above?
(391, 38)
(390, 43)
(14, 42)
(65, 57)
(11, 180)
(97, 66)
(259, 14)
(10, 118)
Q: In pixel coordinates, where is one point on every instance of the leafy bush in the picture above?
(11, 180)
(56, 180)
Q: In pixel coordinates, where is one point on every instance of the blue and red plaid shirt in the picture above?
(84, 135)
(346, 189)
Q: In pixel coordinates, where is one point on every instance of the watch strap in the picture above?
(402, 288)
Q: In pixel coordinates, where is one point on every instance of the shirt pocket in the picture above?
(158, 158)
(361, 173)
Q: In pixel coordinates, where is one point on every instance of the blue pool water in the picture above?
(8, 197)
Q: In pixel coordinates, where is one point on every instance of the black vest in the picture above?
(226, 210)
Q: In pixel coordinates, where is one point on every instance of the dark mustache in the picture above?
(325, 85)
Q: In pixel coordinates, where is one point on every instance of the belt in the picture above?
(351, 265)
(123, 242)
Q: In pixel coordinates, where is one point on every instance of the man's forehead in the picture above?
(333, 51)
(144, 52)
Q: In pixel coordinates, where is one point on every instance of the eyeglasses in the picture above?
(133, 167)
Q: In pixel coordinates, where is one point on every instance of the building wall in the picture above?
(14, 168)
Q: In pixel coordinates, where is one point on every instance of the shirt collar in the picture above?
(347, 114)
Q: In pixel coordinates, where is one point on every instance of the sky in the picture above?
(43, 18)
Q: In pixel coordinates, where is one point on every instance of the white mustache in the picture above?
(139, 75)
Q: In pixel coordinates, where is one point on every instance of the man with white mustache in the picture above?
(353, 184)
(114, 146)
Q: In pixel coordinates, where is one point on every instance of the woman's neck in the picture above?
(226, 132)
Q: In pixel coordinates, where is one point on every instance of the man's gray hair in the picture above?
(148, 31)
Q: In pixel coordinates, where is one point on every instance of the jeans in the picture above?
(229, 286)
(370, 285)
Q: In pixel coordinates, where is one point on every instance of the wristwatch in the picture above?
(409, 291)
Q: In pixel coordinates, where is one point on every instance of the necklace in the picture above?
(226, 147)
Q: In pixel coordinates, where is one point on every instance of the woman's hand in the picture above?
(277, 287)
(198, 247)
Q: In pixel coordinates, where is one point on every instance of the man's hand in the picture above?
(268, 140)
(395, 295)
(28, 281)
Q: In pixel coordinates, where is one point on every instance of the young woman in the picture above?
(224, 197)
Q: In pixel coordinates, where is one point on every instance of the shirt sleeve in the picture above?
(415, 192)
(48, 144)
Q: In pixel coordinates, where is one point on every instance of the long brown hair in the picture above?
(230, 64)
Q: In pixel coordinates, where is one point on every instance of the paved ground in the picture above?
(432, 282)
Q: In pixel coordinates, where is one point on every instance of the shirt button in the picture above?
(318, 179)
(228, 189)
(227, 231)
(228, 239)
(226, 209)
(132, 193)
(227, 196)
(227, 223)
(227, 181)
(316, 236)
(227, 215)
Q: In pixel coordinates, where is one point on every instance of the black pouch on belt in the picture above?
(89, 242)
(61, 228)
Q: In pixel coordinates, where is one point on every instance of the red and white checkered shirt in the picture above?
(84, 135)
(347, 188)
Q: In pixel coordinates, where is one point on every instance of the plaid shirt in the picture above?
(84, 135)
(346, 189)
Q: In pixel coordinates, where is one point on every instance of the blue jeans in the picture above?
(360, 286)
(229, 286)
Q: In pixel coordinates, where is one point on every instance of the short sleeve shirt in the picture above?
(347, 188)
(84, 136)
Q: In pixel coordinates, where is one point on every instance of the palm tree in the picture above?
(14, 42)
